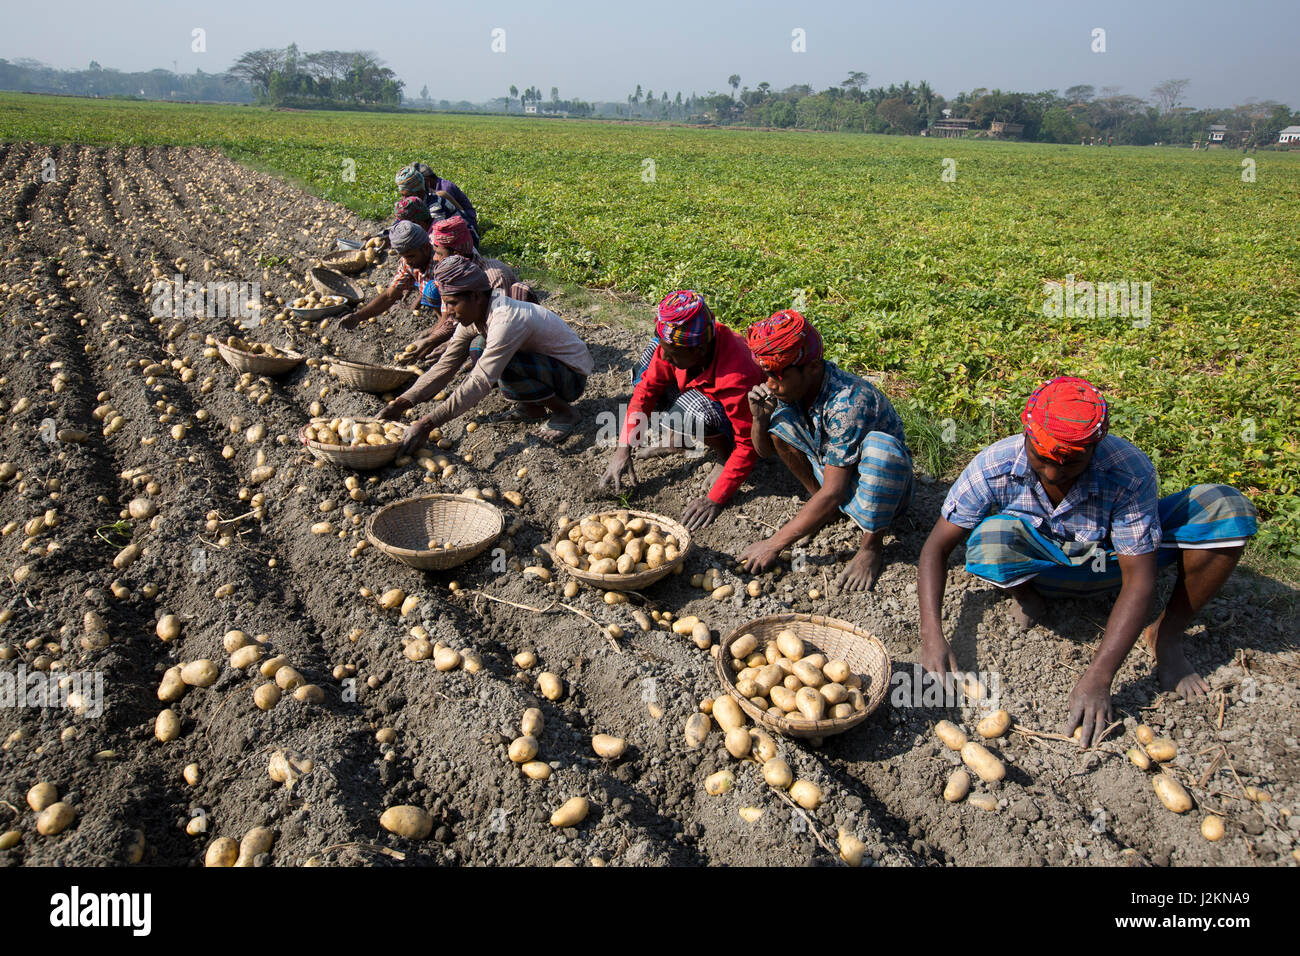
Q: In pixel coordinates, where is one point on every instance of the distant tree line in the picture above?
(345, 78)
(36, 77)
(1079, 113)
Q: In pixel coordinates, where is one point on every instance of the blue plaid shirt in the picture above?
(1114, 503)
(845, 411)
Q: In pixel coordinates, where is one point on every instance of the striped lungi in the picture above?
(1008, 550)
(884, 486)
(698, 414)
(533, 377)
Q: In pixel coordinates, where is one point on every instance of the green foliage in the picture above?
(937, 286)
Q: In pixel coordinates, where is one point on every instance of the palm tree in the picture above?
(734, 82)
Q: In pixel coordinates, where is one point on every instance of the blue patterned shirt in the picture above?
(846, 409)
(1116, 499)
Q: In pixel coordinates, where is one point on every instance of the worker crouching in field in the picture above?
(415, 273)
(838, 434)
(451, 237)
(535, 357)
(700, 374)
(417, 179)
(1066, 509)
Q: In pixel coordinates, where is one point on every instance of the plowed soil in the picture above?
(79, 333)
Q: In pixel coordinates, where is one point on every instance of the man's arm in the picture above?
(931, 579)
(761, 405)
(432, 381)
(837, 485)
(376, 306)
(1090, 705)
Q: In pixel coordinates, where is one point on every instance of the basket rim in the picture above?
(396, 551)
(321, 313)
(352, 295)
(369, 366)
(793, 727)
(278, 363)
(630, 581)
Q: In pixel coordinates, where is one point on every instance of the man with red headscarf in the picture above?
(452, 237)
(698, 373)
(1066, 509)
(838, 434)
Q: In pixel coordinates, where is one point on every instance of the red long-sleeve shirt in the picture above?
(727, 380)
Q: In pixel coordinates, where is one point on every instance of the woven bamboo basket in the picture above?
(259, 364)
(864, 653)
(360, 457)
(324, 312)
(376, 379)
(641, 579)
(329, 282)
(402, 530)
(348, 261)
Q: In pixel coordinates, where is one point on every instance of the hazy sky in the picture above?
(1230, 51)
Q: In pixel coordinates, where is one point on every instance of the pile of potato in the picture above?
(788, 681)
(372, 249)
(314, 300)
(254, 348)
(348, 431)
(615, 543)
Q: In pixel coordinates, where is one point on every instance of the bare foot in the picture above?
(862, 570)
(1027, 606)
(1175, 672)
(560, 427)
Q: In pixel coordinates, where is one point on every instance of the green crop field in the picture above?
(938, 285)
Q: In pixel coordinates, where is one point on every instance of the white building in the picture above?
(1289, 135)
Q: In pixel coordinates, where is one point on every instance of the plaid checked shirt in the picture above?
(1114, 503)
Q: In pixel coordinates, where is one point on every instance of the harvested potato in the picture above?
(1212, 828)
(811, 704)
(413, 823)
(852, 850)
(266, 696)
(536, 770)
(172, 688)
(994, 725)
(1139, 758)
(697, 729)
(42, 795)
(571, 813)
(953, 737)
(551, 686)
(764, 747)
(988, 767)
(608, 746)
(532, 723)
(957, 787)
(523, 749)
(223, 851)
(55, 818)
(1144, 734)
(777, 773)
(743, 646)
(1162, 750)
(168, 627)
(983, 801)
(790, 645)
(738, 742)
(446, 659)
(200, 673)
(719, 783)
(807, 794)
(167, 726)
(246, 656)
(728, 713)
(1171, 793)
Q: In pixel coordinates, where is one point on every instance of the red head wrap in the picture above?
(785, 339)
(1064, 417)
(684, 319)
(455, 235)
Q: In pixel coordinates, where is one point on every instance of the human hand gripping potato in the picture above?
(416, 434)
(760, 556)
(1090, 708)
(394, 409)
(620, 465)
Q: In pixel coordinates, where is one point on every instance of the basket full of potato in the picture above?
(359, 443)
(804, 675)
(260, 358)
(352, 261)
(314, 305)
(621, 550)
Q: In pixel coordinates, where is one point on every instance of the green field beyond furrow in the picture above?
(937, 285)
